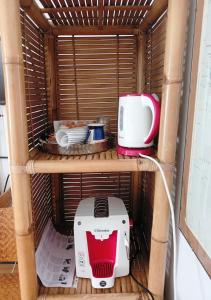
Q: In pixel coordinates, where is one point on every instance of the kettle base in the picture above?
(134, 151)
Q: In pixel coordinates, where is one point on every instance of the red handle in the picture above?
(151, 102)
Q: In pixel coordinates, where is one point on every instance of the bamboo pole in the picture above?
(18, 147)
(90, 165)
(94, 30)
(173, 65)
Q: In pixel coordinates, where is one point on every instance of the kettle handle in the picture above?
(153, 103)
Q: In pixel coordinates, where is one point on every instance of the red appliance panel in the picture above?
(102, 254)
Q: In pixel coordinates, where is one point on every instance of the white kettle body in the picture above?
(138, 120)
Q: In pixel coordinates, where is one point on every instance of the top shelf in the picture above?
(108, 161)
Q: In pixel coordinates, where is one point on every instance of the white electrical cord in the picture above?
(172, 219)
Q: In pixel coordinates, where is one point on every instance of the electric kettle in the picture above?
(138, 123)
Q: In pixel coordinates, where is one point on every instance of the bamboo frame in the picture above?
(89, 164)
(173, 64)
(94, 30)
(17, 125)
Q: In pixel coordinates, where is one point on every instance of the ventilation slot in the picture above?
(103, 270)
(101, 209)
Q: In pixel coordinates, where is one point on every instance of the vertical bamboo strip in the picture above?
(18, 147)
(136, 194)
(51, 68)
(50, 58)
(173, 63)
(58, 202)
(141, 62)
(75, 78)
(117, 69)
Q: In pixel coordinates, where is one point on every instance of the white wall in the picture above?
(192, 281)
(4, 163)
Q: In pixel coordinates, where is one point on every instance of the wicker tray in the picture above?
(7, 231)
(76, 149)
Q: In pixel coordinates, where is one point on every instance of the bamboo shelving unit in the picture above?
(158, 64)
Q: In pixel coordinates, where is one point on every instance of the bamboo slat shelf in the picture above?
(108, 161)
(125, 287)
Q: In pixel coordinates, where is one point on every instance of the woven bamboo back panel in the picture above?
(35, 79)
(92, 72)
(41, 203)
(37, 116)
(79, 186)
(7, 232)
(155, 48)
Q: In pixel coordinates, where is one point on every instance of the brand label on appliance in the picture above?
(101, 230)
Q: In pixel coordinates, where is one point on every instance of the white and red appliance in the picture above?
(101, 234)
(138, 123)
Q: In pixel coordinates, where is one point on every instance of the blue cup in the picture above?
(95, 133)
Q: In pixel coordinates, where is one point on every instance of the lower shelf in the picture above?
(126, 296)
(125, 287)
